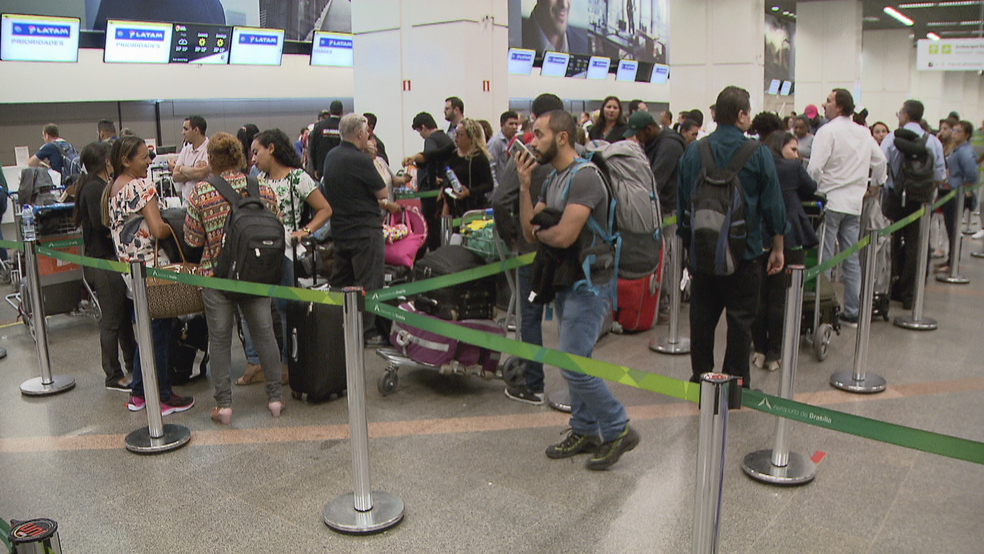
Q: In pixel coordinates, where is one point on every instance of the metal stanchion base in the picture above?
(978, 254)
(798, 471)
(59, 383)
(341, 515)
(560, 400)
(664, 346)
(844, 380)
(952, 279)
(175, 436)
(913, 324)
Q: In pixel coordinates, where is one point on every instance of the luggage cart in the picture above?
(486, 243)
(820, 308)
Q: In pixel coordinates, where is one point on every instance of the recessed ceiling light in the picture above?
(915, 5)
(775, 8)
(957, 3)
(932, 36)
(898, 16)
(975, 22)
(943, 23)
(871, 19)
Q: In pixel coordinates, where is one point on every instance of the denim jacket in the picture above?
(962, 165)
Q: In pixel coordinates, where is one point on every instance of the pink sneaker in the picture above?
(135, 403)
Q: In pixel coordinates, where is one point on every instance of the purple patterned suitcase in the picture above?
(435, 350)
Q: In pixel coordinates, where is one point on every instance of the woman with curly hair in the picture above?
(470, 164)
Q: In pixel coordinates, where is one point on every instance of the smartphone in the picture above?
(517, 147)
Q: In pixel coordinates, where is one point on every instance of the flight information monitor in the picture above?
(521, 61)
(598, 67)
(787, 87)
(578, 66)
(627, 70)
(333, 49)
(774, 87)
(35, 38)
(554, 64)
(196, 43)
(661, 73)
(253, 46)
(137, 42)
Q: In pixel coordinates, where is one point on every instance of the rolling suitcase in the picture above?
(188, 354)
(442, 352)
(471, 300)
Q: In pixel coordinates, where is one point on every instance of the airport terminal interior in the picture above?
(467, 461)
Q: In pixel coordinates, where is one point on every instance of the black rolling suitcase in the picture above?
(315, 350)
(471, 300)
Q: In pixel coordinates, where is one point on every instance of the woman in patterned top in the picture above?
(130, 210)
(280, 165)
(205, 226)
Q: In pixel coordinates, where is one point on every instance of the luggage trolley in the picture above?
(820, 311)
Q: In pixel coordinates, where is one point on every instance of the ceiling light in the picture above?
(932, 36)
(976, 22)
(915, 5)
(775, 8)
(870, 19)
(942, 24)
(957, 3)
(898, 16)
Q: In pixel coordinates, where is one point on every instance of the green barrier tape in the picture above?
(669, 221)
(118, 267)
(449, 280)
(256, 289)
(456, 222)
(939, 203)
(914, 216)
(64, 243)
(12, 245)
(816, 270)
(424, 194)
(907, 437)
(684, 390)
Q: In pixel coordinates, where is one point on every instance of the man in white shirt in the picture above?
(843, 154)
(904, 257)
(498, 145)
(191, 165)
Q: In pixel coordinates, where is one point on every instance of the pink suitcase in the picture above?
(431, 349)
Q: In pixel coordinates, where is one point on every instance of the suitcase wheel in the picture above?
(512, 372)
(295, 395)
(388, 382)
(821, 341)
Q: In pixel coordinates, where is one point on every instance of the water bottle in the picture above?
(453, 179)
(27, 219)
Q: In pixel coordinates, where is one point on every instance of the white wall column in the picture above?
(886, 58)
(828, 50)
(438, 48)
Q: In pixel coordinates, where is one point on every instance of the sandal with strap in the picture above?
(253, 375)
(276, 408)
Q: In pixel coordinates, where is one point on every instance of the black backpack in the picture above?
(715, 222)
(917, 176)
(71, 163)
(254, 241)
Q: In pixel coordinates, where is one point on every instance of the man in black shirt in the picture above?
(380, 147)
(354, 189)
(323, 138)
(431, 162)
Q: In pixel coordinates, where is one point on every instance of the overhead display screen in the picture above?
(577, 67)
(205, 44)
(32, 38)
(333, 49)
(787, 87)
(521, 61)
(661, 73)
(253, 46)
(554, 64)
(598, 68)
(137, 42)
(627, 70)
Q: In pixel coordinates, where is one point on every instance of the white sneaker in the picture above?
(978, 235)
(773, 365)
(758, 360)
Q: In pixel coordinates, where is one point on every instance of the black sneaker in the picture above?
(609, 453)
(176, 404)
(524, 394)
(571, 446)
(849, 320)
(119, 384)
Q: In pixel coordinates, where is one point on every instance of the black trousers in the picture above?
(115, 327)
(428, 208)
(905, 257)
(738, 296)
(767, 327)
(359, 262)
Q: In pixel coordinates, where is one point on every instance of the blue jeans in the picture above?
(252, 356)
(580, 315)
(844, 229)
(160, 331)
(530, 329)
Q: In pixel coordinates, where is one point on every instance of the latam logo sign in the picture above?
(662, 70)
(148, 35)
(264, 40)
(521, 56)
(600, 64)
(33, 30)
(552, 58)
(329, 42)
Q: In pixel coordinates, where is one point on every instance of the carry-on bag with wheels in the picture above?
(439, 351)
(470, 300)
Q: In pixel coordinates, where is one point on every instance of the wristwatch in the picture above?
(306, 230)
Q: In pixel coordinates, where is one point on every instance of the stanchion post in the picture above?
(779, 466)
(156, 437)
(363, 510)
(47, 384)
(916, 321)
(447, 229)
(673, 343)
(956, 242)
(860, 380)
(715, 389)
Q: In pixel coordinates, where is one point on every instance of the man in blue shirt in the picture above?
(906, 243)
(737, 293)
(50, 154)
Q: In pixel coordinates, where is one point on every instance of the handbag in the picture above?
(167, 299)
(402, 252)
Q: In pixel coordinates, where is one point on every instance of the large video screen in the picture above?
(205, 44)
(32, 38)
(332, 49)
(137, 42)
(616, 29)
(253, 46)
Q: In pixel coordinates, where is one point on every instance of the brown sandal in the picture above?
(253, 375)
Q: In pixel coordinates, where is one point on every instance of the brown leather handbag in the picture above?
(167, 299)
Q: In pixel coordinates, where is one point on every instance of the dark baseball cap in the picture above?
(638, 121)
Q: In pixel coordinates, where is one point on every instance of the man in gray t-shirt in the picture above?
(598, 421)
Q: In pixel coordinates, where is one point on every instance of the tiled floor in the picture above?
(469, 463)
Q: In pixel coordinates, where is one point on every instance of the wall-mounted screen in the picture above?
(598, 68)
(32, 38)
(521, 61)
(253, 46)
(554, 64)
(627, 70)
(786, 88)
(578, 66)
(333, 49)
(774, 87)
(206, 44)
(137, 42)
(661, 73)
